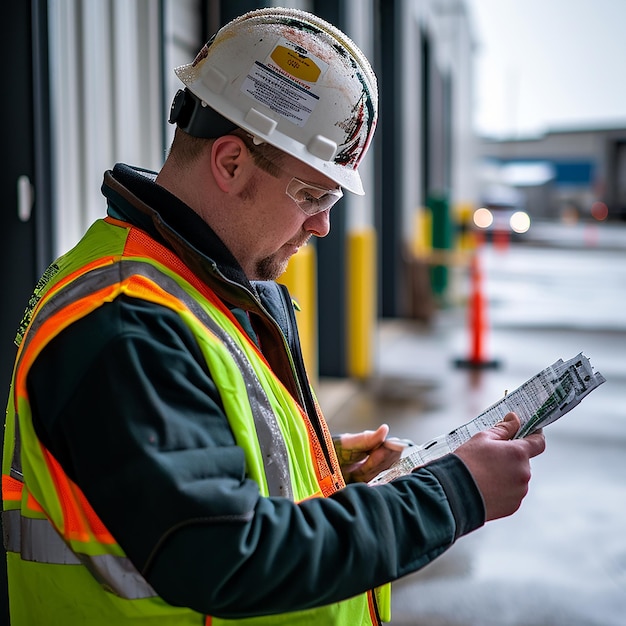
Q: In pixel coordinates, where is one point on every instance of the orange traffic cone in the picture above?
(501, 239)
(477, 321)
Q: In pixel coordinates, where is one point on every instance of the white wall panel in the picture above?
(360, 28)
(97, 90)
(183, 39)
(66, 107)
(410, 61)
(107, 103)
(150, 108)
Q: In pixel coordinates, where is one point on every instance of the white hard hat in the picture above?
(290, 79)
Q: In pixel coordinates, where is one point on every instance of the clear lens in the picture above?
(311, 198)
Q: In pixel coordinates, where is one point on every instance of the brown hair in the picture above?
(186, 149)
(267, 157)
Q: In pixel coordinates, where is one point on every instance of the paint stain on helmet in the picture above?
(357, 139)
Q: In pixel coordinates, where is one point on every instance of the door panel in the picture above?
(25, 210)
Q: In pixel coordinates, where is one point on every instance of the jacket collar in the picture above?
(133, 196)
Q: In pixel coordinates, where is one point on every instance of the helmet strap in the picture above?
(196, 118)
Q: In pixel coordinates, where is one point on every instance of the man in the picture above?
(165, 458)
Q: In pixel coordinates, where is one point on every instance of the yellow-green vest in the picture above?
(62, 561)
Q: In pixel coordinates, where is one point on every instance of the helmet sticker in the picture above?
(283, 83)
(296, 63)
(277, 93)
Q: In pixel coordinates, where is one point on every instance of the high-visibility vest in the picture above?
(62, 561)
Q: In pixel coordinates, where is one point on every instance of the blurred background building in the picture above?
(92, 82)
(563, 174)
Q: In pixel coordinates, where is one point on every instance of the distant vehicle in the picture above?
(502, 211)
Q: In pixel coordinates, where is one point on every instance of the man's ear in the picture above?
(229, 158)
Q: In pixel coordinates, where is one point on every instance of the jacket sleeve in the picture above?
(137, 423)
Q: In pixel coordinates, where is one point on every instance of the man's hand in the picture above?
(363, 456)
(501, 465)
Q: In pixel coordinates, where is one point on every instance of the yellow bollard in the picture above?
(301, 280)
(361, 306)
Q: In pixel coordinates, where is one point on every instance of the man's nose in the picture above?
(318, 224)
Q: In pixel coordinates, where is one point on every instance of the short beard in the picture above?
(270, 268)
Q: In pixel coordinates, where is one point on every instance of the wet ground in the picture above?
(561, 559)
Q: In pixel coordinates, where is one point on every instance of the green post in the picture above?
(441, 242)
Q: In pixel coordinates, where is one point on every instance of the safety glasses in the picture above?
(310, 198)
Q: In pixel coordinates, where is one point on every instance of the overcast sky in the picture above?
(548, 64)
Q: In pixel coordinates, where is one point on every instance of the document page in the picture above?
(541, 400)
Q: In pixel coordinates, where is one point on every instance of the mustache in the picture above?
(301, 242)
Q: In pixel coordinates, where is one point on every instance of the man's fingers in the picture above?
(366, 440)
(397, 444)
(535, 444)
(379, 460)
(364, 455)
(507, 428)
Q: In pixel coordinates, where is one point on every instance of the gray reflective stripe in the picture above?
(16, 461)
(118, 575)
(38, 541)
(35, 540)
(273, 448)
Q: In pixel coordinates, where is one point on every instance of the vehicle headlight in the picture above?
(520, 222)
(483, 218)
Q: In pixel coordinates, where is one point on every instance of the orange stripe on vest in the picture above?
(80, 521)
(11, 488)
